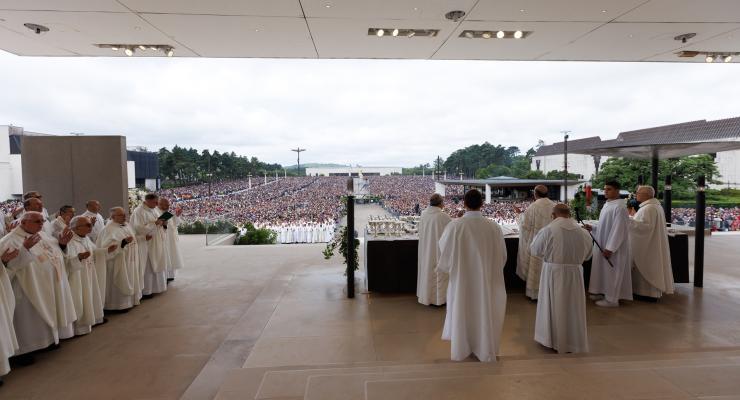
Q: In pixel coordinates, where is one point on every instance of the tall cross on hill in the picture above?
(299, 150)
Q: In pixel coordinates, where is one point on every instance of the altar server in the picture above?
(561, 309)
(652, 274)
(611, 282)
(150, 235)
(431, 285)
(172, 239)
(534, 218)
(44, 310)
(84, 262)
(473, 253)
(123, 288)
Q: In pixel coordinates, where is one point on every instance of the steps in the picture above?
(656, 376)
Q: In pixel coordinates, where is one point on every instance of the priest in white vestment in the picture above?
(151, 237)
(534, 218)
(652, 273)
(36, 205)
(84, 261)
(44, 310)
(473, 253)
(61, 222)
(431, 285)
(611, 283)
(92, 212)
(561, 308)
(3, 225)
(123, 288)
(8, 341)
(172, 239)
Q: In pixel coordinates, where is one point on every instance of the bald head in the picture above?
(436, 200)
(540, 191)
(93, 206)
(561, 211)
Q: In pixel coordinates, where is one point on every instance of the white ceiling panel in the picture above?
(266, 8)
(685, 11)
(62, 5)
(238, 36)
(16, 43)
(341, 38)
(409, 10)
(545, 37)
(634, 41)
(553, 10)
(77, 32)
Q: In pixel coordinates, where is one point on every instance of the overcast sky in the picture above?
(367, 112)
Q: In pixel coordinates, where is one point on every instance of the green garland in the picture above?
(340, 240)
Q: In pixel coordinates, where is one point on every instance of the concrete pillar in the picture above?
(488, 194)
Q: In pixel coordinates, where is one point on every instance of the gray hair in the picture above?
(116, 208)
(649, 190)
(76, 220)
(29, 214)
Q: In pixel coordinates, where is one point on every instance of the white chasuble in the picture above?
(528, 267)
(431, 285)
(651, 255)
(87, 293)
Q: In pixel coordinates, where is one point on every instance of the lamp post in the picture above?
(250, 180)
(565, 164)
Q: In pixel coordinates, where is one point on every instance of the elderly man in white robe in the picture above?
(611, 279)
(473, 253)
(123, 288)
(534, 218)
(92, 211)
(61, 222)
(172, 239)
(152, 252)
(561, 308)
(84, 261)
(44, 310)
(652, 273)
(32, 204)
(431, 285)
(8, 341)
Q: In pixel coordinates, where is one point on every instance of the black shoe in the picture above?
(646, 299)
(22, 360)
(55, 346)
(170, 279)
(147, 296)
(124, 311)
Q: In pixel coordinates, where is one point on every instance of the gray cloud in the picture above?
(369, 112)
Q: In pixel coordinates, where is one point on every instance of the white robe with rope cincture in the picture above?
(431, 285)
(8, 341)
(529, 267)
(473, 253)
(172, 246)
(561, 308)
(652, 273)
(611, 233)
(123, 288)
(153, 257)
(44, 306)
(84, 283)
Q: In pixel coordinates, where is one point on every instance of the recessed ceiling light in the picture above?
(153, 47)
(631, 35)
(142, 47)
(395, 32)
(518, 34)
(380, 32)
(170, 52)
(709, 58)
(500, 34)
(603, 11)
(114, 48)
(129, 51)
(486, 35)
(416, 8)
(256, 29)
(327, 5)
(469, 34)
(728, 58)
(411, 33)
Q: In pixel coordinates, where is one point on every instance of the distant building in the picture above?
(353, 171)
(551, 157)
(143, 166)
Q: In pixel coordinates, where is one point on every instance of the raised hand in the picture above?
(159, 222)
(9, 255)
(112, 248)
(65, 236)
(82, 256)
(129, 239)
(93, 220)
(148, 237)
(31, 241)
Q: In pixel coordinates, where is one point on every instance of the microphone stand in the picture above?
(578, 218)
